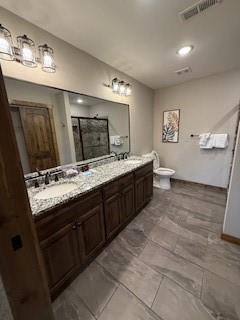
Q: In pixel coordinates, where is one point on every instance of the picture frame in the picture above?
(170, 126)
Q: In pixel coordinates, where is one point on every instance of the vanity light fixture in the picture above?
(25, 53)
(120, 87)
(79, 100)
(6, 45)
(185, 50)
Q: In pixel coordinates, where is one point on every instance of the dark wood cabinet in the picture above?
(61, 256)
(127, 202)
(72, 234)
(148, 187)
(91, 233)
(143, 187)
(112, 210)
(139, 193)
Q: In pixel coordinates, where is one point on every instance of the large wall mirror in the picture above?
(55, 127)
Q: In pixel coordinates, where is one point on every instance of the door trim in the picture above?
(21, 262)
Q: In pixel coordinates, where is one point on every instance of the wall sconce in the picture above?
(25, 53)
(120, 87)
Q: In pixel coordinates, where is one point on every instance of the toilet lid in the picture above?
(156, 160)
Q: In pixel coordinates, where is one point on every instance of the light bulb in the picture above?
(6, 51)
(185, 50)
(4, 45)
(122, 88)
(128, 89)
(47, 58)
(27, 54)
(27, 51)
(115, 85)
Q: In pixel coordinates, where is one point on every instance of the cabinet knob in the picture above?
(79, 224)
(74, 227)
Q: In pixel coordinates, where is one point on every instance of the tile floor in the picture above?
(169, 263)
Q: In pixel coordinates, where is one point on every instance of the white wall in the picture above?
(207, 105)
(79, 110)
(231, 224)
(79, 72)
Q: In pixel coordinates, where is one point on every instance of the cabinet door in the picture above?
(128, 208)
(139, 193)
(61, 255)
(148, 186)
(112, 211)
(91, 232)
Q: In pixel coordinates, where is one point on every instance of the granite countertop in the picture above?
(85, 183)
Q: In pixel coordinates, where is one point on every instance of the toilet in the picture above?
(162, 175)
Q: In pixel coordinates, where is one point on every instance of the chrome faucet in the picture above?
(47, 177)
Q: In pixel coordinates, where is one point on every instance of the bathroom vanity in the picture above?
(73, 229)
(59, 131)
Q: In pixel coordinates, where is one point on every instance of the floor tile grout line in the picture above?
(83, 302)
(194, 263)
(201, 228)
(128, 289)
(108, 301)
(161, 274)
(163, 277)
(157, 292)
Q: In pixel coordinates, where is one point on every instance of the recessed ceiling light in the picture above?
(185, 50)
(79, 100)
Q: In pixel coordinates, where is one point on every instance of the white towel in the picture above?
(117, 141)
(220, 140)
(209, 143)
(204, 137)
(112, 140)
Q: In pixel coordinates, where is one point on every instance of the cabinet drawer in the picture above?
(110, 189)
(125, 181)
(144, 170)
(67, 213)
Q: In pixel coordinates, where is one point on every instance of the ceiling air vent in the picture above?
(197, 8)
(183, 71)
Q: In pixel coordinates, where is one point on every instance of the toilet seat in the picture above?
(164, 171)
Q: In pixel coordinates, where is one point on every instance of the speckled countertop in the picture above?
(99, 176)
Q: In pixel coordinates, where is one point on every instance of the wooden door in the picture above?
(61, 255)
(127, 201)
(38, 135)
(148, 186)
(139, 193)
(112, 214)
(91, 232)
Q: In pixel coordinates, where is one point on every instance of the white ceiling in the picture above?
(140, 37)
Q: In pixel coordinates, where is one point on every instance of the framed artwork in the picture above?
(170, 130)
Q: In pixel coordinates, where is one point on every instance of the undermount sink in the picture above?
(133, 161)
(55, 191)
